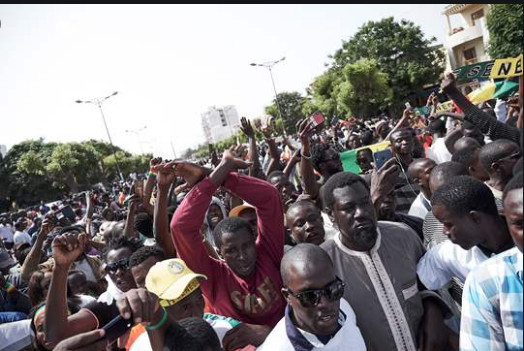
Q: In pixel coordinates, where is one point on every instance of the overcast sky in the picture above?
(168, 63)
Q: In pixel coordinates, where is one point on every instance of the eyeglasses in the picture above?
(311, 298)
(113, 267)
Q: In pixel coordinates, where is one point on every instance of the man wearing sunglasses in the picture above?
(498, 159)
(317, 317)
(378, 262)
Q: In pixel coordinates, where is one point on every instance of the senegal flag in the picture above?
(381, 154)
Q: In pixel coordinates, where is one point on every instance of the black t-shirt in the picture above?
(103, 312)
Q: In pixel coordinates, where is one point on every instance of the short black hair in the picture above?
(366, 138)
(275, 174)
(191, 334)
(494, 151)
(144, 253)
(465, 156)
(317, 154)
(339, 180)
(302, 203)
(445, 171)
(230, 225)
(463, 194)
(401, 130)
(437, 126)
(121, 242)
(144, 224)
(514, 183)
(366, 150)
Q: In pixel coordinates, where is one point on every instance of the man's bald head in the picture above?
(466, 143)
(303, 261)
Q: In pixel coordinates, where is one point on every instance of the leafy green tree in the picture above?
(365, 89)
(505, 30)
(402, 52)
(291, 105)
(324, 91)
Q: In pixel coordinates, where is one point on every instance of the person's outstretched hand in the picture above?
(383, 181)
(247, 128)
(230, 157)
(68, 247)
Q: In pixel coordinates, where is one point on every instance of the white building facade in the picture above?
(468, 35)
(220, 123)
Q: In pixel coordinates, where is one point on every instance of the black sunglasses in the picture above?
(113, 267)
(311, 298)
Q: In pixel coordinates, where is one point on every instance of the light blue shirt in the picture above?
(492, 311)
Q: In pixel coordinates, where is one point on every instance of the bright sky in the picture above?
(168, 63)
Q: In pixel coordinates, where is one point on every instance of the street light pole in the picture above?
(137, 132)
(269, 65)
(98, 102)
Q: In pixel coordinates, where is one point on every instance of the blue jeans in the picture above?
(9, 317)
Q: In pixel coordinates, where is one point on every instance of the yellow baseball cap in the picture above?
(172, 281)
(235, 212)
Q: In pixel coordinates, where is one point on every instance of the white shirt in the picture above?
(439, 152)
(347, 338)
(21, 238)
(6, 233)
(84, 266)
(329, 228)
(501, 110)
(417, 207)
(445, 261)
(16, 335)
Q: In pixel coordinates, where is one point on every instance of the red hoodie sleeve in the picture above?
(185, 231)
(266, 199)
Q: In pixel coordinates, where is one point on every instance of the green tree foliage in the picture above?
(291, 105)
(325, 89)
(401, 51)
(34, 170)
(505, 30)
(364, 90)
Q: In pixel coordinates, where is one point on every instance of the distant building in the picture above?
(468, 36)
(3, 150)
(220, 123)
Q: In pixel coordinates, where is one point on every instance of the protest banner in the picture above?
(479, 70)
(508, 67)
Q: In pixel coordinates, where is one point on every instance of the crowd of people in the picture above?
(274, 246)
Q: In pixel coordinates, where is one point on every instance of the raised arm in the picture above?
(66, 249)
(401, 122)
(150, 184)
(129, 230)
(311, 188)
(263, 196)
(292, 163)
(255, 170)
(487, 125)
(165, 179)
(33, 258)
(189, 216)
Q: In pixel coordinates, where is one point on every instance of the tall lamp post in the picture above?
(98, 102)
(269, 65)
(137, 132)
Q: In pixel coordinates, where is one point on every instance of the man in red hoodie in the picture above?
(246, 284)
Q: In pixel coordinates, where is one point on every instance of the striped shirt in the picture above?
(492, 312)
(490, 126)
